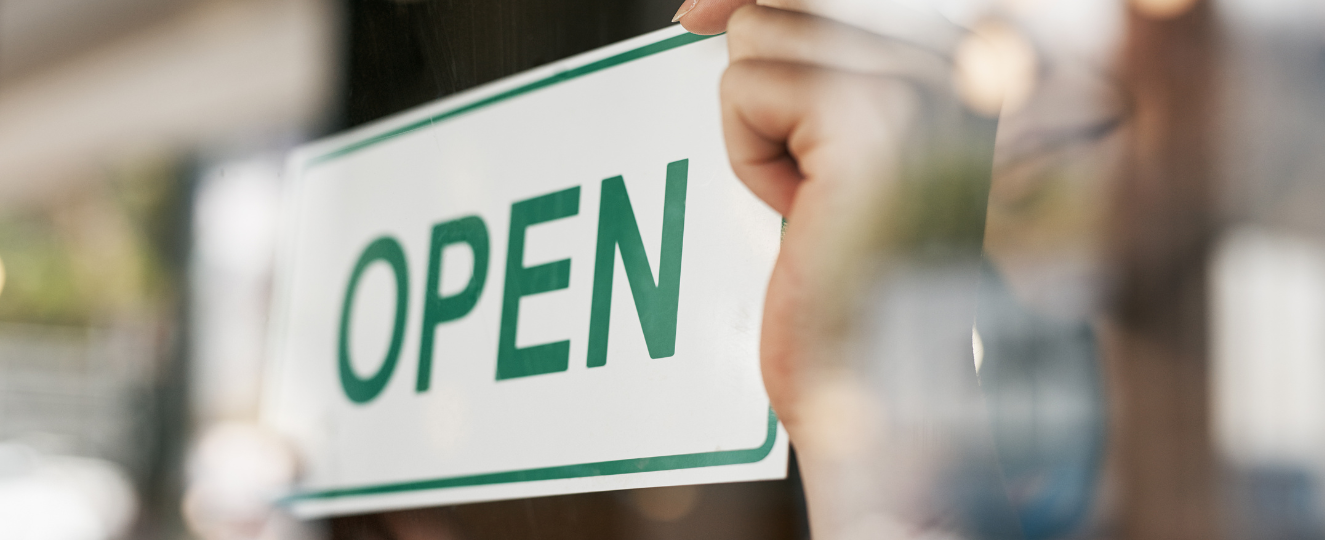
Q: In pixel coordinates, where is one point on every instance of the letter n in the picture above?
(655, 302)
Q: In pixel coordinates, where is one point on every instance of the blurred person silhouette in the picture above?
(874, 141)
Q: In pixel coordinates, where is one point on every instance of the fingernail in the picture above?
(685, 8)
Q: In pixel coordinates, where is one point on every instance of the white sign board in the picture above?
(551, 284)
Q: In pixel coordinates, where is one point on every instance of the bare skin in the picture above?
(818, 118)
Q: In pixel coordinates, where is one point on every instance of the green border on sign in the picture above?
(611, 61)
(583, 470)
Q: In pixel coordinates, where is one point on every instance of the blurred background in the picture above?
(1151, 327)
(140, 142)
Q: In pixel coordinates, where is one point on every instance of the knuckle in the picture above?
(740, 19)
(744, 23)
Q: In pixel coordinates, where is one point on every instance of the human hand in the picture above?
(815, 113)
(819, 117)
(863, 144)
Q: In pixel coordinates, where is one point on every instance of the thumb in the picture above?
(707, 16)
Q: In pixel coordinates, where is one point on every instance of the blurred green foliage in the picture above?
(101, 253)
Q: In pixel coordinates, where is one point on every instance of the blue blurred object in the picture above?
(1276, 502)
(1041, 380)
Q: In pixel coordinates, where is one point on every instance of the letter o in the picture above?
(388, 250)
